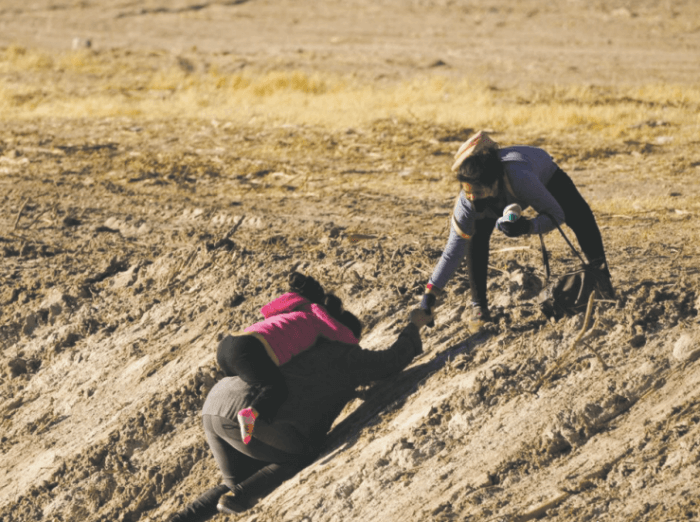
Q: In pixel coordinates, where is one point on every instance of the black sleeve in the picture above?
(366, 366)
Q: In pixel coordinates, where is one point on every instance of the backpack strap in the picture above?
(566, 239)
(545, 258)
(545, 254)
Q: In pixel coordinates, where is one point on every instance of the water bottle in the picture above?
(512, 213)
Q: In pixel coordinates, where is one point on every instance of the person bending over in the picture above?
(491, 178)
(321, 382)
(293, 322)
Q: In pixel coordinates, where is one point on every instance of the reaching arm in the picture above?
(462, 229)
(367, 365)
(449, 262)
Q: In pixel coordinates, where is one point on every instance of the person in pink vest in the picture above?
(293, 323)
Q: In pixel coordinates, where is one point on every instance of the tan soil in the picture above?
(127, 248)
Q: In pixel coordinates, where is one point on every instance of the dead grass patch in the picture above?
(158, 85)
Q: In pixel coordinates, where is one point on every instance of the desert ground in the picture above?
(165, 164)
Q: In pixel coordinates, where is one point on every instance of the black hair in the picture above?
(352, 322)
(484, 168)
(308, 287)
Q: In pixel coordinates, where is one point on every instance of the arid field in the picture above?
(164, 164)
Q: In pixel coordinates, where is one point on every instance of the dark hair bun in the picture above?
(296, 281)
(334, 305)
(306, 286)
(484, 168)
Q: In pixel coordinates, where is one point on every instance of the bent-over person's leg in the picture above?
(477, 257)
(262, 483)
(235, 466)
(578, 215)
(250, 470)
(204, 506)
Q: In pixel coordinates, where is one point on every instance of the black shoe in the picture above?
(203, 508)
(230, 504)
(606, 289)
(604, 280)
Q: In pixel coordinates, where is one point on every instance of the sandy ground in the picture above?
(128, 248)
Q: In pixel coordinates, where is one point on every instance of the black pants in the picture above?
(577, 214)
(246, 357)
(224, 437)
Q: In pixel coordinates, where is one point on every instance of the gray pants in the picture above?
(251, 471)
(238, 461)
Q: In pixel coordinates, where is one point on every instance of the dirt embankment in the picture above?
(118, 282)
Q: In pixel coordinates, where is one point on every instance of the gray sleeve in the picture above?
(462, 219)
(530, 191)
(450, 260)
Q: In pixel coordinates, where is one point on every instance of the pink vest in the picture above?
(293, 324)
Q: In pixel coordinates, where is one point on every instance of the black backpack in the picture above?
(567, 295)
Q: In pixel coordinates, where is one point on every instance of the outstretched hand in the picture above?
(428, 301)
(420, 317)
(432, 298)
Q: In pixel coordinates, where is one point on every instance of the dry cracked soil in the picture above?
(129, 247)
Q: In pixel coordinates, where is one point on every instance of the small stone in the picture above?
(30, 324)
(622, 12)
(17, 366)
(686, 348)
(638, 341)
(126, 278)
(55, 310)
(81, 43)
(9, 296)
(483, 481)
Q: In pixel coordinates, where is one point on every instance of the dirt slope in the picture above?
(129, 247)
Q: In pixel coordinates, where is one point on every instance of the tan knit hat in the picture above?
(477, 143)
